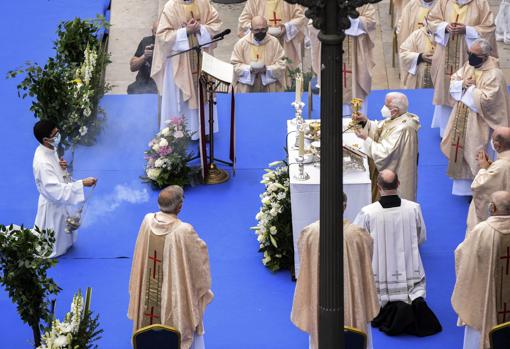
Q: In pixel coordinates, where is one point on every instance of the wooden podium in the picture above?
(216, 76)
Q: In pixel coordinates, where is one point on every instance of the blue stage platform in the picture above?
(252, 305)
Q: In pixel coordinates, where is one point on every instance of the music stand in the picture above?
(216, 76)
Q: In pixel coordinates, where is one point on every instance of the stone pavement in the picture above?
(131, 20)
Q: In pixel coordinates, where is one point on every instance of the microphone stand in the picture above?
(218, 175)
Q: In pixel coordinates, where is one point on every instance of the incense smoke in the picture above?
(102, 206)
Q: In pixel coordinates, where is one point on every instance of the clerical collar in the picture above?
(187, 2)
(462, 2)
(390, 201)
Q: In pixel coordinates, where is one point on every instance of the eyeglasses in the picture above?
(259, 30)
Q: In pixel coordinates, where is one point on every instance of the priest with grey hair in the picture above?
(493, 176)
(170, 280)
(392, 143)
(482, 290)
(481, 104)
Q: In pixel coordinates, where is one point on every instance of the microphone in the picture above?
(222, 34)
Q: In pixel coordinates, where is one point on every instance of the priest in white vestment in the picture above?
(456, 24)
(170, 281)
(482, 289)
(482, 104)
(413, 17)
(360, 296)
(258, 60)
(416, 59)
(493, 176)
(358, 59)
(393, 143)
(397, 227)
(57, 192)
(286, 21)
(182, 25)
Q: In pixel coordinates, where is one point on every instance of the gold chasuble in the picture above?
(274, 13)
(451, 50)
(170, 280)
(481, 297)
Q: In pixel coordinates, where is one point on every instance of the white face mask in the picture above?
(55, 141)
(386, 112)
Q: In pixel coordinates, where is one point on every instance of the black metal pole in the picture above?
(331, 316)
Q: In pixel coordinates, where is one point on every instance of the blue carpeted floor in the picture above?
(252, 305)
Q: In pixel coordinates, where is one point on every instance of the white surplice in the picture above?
(397, 265)
(172, 104)
(54, 196)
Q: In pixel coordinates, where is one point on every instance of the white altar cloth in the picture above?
(304, 195)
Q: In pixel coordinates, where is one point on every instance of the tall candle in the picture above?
(301, 136)
(298, 88)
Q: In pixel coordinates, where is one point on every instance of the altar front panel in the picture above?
(305, 195)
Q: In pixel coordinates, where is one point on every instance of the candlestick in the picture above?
(301, 136)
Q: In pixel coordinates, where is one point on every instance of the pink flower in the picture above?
(177, 121)
(164, 151)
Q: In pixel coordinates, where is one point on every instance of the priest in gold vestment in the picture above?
(286, 23)
(482, 289)
(393, 143)
(361, 304)
(183, 24)
(170, 281)
(416, 59)
(358, 60)
(482, 104)
(258, 60)
(413, 17)
(456, 24)
(493, 176)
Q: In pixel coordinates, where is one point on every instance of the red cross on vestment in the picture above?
(275, 19)
(457, 147)
(504, 312)
(507, 257)
(344, 74)
(151, 316)
(155, 261)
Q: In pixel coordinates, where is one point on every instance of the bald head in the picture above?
(397, 102)
(258, 23)
(170, 199)
(501, 139)
(500, 203)
(387, 181)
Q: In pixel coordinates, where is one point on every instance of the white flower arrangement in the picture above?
(274, 228)
(168, 156)
(61, 333)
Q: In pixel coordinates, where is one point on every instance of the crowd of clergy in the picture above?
(445, 44)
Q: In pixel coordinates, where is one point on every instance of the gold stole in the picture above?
(347, 57)
(274, 13)
(420, 17)
(153, 280)
(453, 53)
(192, 11)
(426, 79)
(502, 280)
(458, 136)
